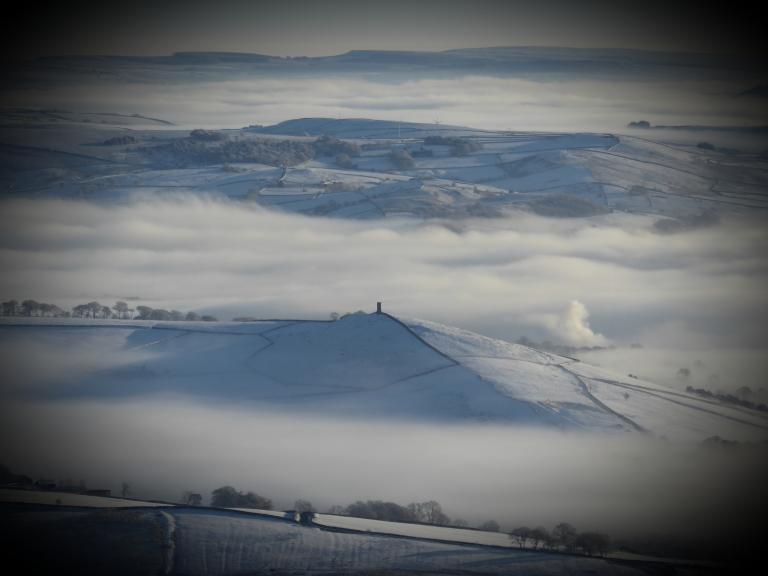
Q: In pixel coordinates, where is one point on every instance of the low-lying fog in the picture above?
(562, 102)
(517, 476)
(602, 281)
(693, 300)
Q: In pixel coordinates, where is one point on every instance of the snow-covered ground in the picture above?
(219, 543)
(577, 174)
(202, 540)
(72, 499)
(374, 365)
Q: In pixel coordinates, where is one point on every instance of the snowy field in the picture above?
(251, 545)
(378, 366)
(219, 541)
(71, 499)
(578, 174)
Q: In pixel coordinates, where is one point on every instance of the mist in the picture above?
(508, 277)
(161, 447)
(562, 102)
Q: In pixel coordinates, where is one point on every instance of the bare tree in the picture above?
(429, 512)
(303, 506)
(81, 311)
(10, 308)
(564, 535)
(95, 309)
(541, 537)
(520, 536)
(228, 497)
(144, 312)
(401, 159)
(490, 526)
(121, 308)
(592, 543)
(191, 498)
(30, 308)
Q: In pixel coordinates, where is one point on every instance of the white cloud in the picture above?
(481, 101)
(519, 476)
(505, 277)
(573, 328)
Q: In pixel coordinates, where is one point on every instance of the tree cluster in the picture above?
(459, 146)
(345, 161)
(207, 135)
(32, 308)
(429, 512)
(120, 311)
(194, 152)
(205, 147)
(328, 146)
(147, 313)
(563, 537)
(229, 497)
(119, 141)
(401, 159)
(191, 498)
(728, 398)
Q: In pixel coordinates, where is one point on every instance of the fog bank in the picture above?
(623, 484)
(699, 289)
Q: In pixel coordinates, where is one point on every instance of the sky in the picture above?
(316, 28)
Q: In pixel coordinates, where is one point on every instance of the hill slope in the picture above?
(378, 366)
(490, 174)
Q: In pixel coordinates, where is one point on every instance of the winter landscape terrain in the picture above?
(568, 245)
(170, 539)
(378, 366)
(442, 171)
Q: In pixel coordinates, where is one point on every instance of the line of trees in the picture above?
(724, 397)
(31, 308)
(429, 512)
(229, 497)
(119, 311)
(204, 147)
(401, 159)
(459, 146)
(563, 537)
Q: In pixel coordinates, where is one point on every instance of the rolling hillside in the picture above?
(378, 366)
(112, 158)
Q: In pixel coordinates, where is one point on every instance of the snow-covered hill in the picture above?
(578, 174)
(375, 365)
(196, 540)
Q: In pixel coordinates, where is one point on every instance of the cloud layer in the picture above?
(564, 103)
(504, 277)
(517, 476)
(696, 291)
